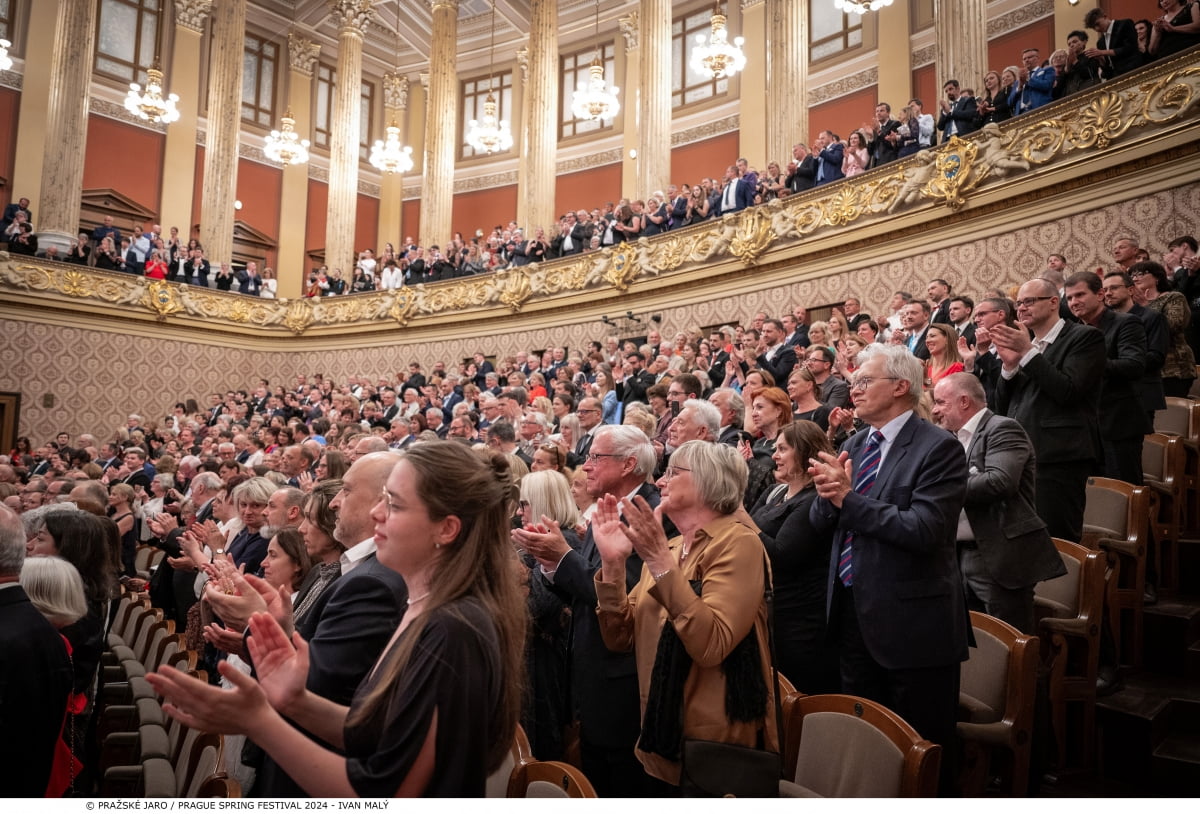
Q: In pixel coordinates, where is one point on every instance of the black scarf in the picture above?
(745, 689)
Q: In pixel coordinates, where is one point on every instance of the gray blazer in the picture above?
(1011, 537)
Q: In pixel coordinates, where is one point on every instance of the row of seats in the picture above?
(144, 752)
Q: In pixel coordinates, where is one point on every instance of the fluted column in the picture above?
(224, 118)
(351, 17)
(293, 205)
(391, 187)
(536, 179)
(960, 27)
(30, 153)
(631, 29)
(654, 98)
(787, 67)
(441, 125)
(179, 152)
(66, 124)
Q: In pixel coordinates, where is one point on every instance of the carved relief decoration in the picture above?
(1023, 16)
(523, 62)
(12, 79)
(629, 30)
(112, 110)
(395, 91)
(303, 53)
(1143, 107)
(584, 162)
(845, 85)
(351, 16)
(717, 127)
(924, 56)
(191, 14)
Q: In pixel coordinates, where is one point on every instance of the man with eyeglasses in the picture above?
(982, 359)
(1050, 383)
(591, 415)
(834, 391)
(889, 503)
(604, 685)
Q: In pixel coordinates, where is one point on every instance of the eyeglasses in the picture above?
(1137, 274)
(595, 456)
(672, 471)
(863, 382)
(587, 410)
(1029, 301)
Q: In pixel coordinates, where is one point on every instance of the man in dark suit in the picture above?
(1050, 384)
(1003, 546)
(938, 291)
(736, 194)
(354, 618)
(915, 320)
(829, 158)
(890, 502)
(774, 355)
(733, 414)
(604, 686)
(416, 379)
(981, 360)
(958, 112)
(1123, 421)
(635, 380)
(801, 177)
(35, 675)
(1118, 295)
(885, 141)
(1116, 47)
(961, 307)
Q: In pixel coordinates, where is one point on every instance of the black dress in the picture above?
(819, 416)
(800, 570)
(455, 671)
(545, 710)
(761, 468)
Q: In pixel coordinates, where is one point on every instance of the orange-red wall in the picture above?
(197, 189)
(314, 223)
(481, 209)
(1005, 51)
(587, 189)
(10, 102)
(841, 115)
(259, 188)
(702, 159)
(1125, 10)
(366, 228)
(924, 83)
(124, 158)
(410, 221)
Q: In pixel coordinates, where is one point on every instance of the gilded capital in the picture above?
(191, 14)
(351, 15)
(523, 62)
(751, 3)
(424, 77)
(452, 5)
(395, 91)
(303, 53)
(629, 30)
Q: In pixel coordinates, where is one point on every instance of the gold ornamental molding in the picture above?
(1102, 132)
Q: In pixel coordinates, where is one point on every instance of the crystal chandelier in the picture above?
(489, 134)
(390, 156)
(860, 7)
(5, 59)
(285, 145)
(717, 57)
(594, 99)
(150, 105)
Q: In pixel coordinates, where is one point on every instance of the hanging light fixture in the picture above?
(860, 7)
(594, 99)
(151, 105)
(716, 56)
(285, 145)
(5, 59)
(489, 134)
(389, 155)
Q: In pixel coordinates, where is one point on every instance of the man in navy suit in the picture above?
(890, 502)
(604, 686)
(829, 158)
(737, 193)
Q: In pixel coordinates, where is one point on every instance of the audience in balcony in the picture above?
(1176, 30)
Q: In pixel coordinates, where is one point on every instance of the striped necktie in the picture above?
(868, 470)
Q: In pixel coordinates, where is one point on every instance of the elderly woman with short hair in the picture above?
(697, 619)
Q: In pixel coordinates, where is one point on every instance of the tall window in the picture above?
(574, 71)
(831, 31)
(127, 38)
(7, 7)
(259, 60)
(326, 77)
(366, 120)
(688, 86)
(474, 93)
(323, 120)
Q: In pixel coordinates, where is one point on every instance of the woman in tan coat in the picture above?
(697, 619)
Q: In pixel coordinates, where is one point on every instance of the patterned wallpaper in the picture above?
(98, 377)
